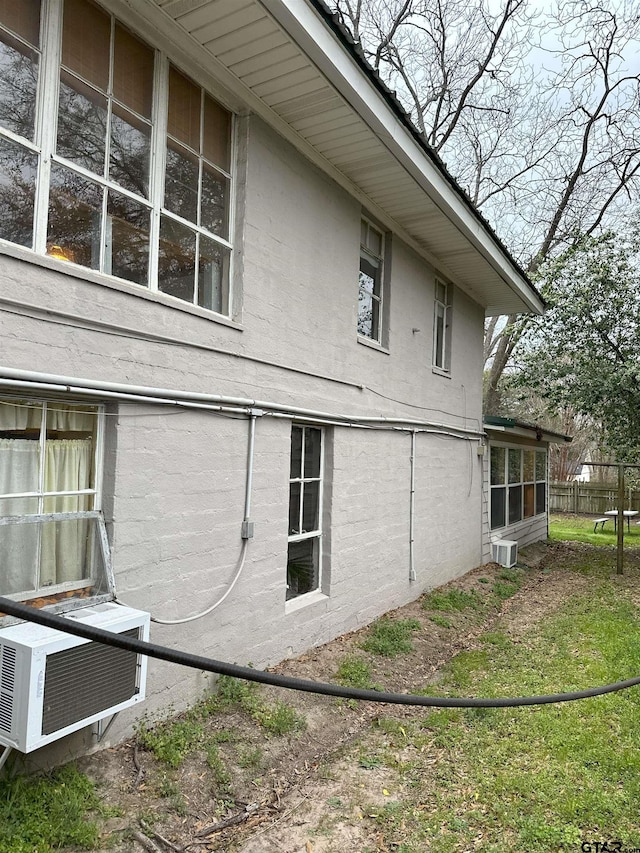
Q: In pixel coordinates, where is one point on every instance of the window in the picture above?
(370, 281)
(122, 164)
(441, 327)
(50, 540)
(518, 484)
(305, 511)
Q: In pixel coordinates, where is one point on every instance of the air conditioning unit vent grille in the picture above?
(84, 680)
(6, 712)
(7, 668)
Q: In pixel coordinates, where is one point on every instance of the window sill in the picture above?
(376, 345)
(446, 374)
(85, 274)
(306, 600)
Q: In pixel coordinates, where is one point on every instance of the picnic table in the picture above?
(627, 513)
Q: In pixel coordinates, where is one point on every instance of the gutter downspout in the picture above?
(412, 508)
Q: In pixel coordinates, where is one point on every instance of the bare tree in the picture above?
(535, 114)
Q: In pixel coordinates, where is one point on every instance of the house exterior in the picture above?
(241, 326)
(516, 474)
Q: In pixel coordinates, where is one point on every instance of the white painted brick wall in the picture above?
(177, 478)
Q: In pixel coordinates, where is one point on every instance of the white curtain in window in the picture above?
(63, 544)
(21, 415)
(19, 466)
(67, 469)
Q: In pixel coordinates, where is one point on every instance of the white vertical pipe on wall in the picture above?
(412, 508)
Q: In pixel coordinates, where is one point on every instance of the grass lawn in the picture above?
(579, 528)
(543, 778)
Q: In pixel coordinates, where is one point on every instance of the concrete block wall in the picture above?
(174, 479)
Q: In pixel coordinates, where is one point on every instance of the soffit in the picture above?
(304, 87)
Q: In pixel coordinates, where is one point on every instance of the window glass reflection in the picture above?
(18, 84)
(82, 125)
(214, 202)
(75, 211)
(312, 445)
(129, 152)
(181, 183)
(213, 263)
(294, 508)
(177, 260)
(18, 171)
(310, 505)
(295, 471)
(497, 465)
(128, 238)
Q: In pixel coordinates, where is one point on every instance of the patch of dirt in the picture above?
(304, 793)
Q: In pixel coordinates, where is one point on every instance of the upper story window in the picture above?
(119, 162)
(442, 327)
(50, 536)
(370, 288)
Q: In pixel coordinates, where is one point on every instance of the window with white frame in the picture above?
(50, 541)
(110, 157)
(518, 484)
(441, 326)
(305, 511)
(370, 281)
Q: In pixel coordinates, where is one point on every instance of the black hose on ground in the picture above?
(109, 638)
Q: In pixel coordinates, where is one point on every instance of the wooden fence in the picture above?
(589, 498)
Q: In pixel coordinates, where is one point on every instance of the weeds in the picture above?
(391, 637)
(48, 812)
(277, 718)
(250, 758)
(171, 741)
(354, 671)
(451, 600)
(503, 590)
(219, 771)
(174, 739)
(440, 621)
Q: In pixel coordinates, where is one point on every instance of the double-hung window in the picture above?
(370, 286)
(110, 158)
(51, 530)
(305, 511)
(441, 327)
(518, 484)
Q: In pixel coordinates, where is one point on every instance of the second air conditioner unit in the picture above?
(505, 552)
(53, 683)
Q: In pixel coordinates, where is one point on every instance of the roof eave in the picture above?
(308, 23)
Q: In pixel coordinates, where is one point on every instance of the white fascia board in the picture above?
(307, 29)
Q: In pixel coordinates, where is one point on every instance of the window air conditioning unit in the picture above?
(52, 683)
(505, 552)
